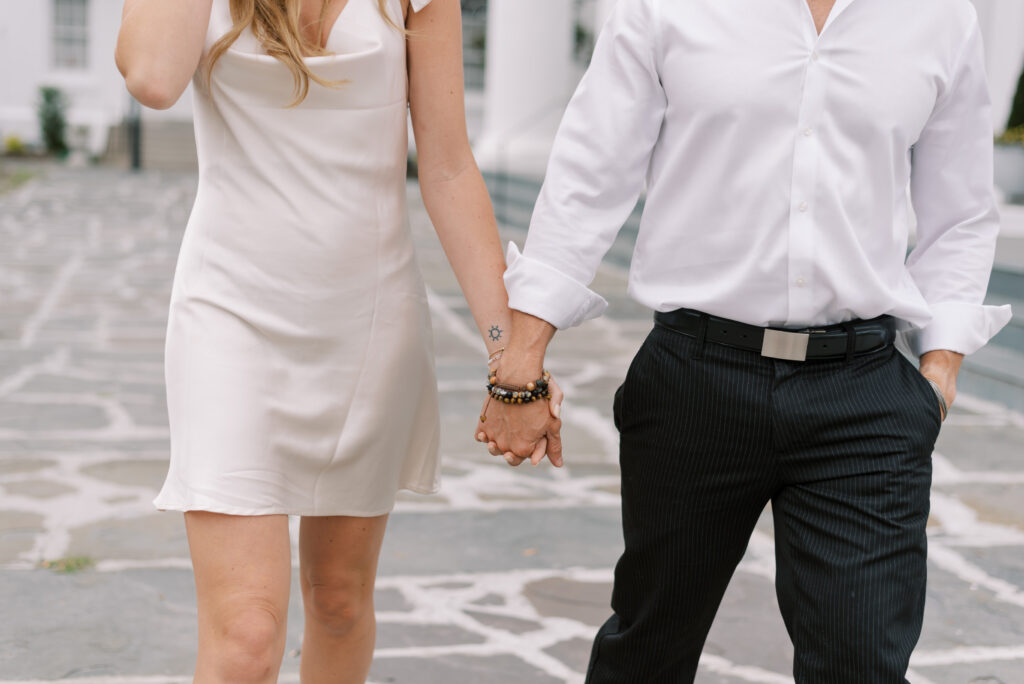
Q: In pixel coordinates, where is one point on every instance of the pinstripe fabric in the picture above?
(842, 451)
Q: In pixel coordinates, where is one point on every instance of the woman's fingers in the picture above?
(512, 459)
(555, 402)
(538, 453)
(481, 435)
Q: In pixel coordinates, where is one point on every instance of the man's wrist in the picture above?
(523, 358)
(941, 361)
(520, 366)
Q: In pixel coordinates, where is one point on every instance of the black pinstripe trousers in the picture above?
(841, 449)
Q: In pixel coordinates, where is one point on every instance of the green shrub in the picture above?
(1017, 109)
(1012, 136)
(68, 565)
(53, 123)
(14, 146)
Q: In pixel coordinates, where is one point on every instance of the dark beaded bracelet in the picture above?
(514, 394)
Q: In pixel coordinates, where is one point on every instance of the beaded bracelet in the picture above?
(514, 394)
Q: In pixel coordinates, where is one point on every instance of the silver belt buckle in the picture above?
(782, 344)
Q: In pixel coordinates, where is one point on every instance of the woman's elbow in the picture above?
(151, 92)
(148, 86)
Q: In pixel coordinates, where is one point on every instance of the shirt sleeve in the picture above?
(595, 174)
(957, 218)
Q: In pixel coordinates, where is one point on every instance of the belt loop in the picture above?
(851, 340)
(702, 333)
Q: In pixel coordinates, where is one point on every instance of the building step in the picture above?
(513, 191)
(165, 146)
(1012, 336)
(994, 373)
(169, 146)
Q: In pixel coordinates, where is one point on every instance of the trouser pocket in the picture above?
(617, 407)
(925, 389)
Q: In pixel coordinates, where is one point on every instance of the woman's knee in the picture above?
(340, 604)
(250, 643)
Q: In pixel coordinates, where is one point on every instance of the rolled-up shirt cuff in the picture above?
(959, 326)
(543, 291)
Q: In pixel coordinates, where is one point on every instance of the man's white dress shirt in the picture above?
(777, 164)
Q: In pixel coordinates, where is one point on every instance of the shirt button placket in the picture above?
(803, 191)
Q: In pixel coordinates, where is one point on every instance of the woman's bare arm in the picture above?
(456, 197)
(452, 187)
(159, 47)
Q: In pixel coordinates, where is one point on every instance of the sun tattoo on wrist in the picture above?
(495, 333)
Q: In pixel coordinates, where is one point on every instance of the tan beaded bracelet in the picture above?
(515, 394)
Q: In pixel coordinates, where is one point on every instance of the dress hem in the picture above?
(182, 507)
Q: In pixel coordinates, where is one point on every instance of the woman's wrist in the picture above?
(495, 357)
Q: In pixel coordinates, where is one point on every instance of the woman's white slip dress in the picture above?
(299, 356)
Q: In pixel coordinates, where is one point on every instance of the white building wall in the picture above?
(601, 11)
(530, 74)
(24, 57)
(97, 96)
(1002, 23)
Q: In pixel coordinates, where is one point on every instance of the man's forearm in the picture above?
(523, 359)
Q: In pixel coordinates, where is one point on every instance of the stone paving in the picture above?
(501, 578)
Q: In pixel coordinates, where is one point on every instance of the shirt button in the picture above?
(808, 132)
(802, 206)
(815, 56)
(800, 282)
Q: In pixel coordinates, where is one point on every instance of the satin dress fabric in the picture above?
(299, 357)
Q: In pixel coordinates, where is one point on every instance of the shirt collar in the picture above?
(837, 9)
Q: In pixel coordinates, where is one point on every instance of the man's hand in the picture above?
(942, 367)
(524, 431)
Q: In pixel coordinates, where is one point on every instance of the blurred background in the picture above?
(505, 575)
(66, 45)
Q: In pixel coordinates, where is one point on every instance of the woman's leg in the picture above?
(338, 566)
(243, 570)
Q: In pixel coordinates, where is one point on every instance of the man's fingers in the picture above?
(554, 440)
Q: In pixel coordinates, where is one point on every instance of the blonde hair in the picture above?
(276, 24)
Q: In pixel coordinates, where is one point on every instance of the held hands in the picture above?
(532, 429)
(523, 431)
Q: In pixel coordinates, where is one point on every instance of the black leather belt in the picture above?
(826, 342)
